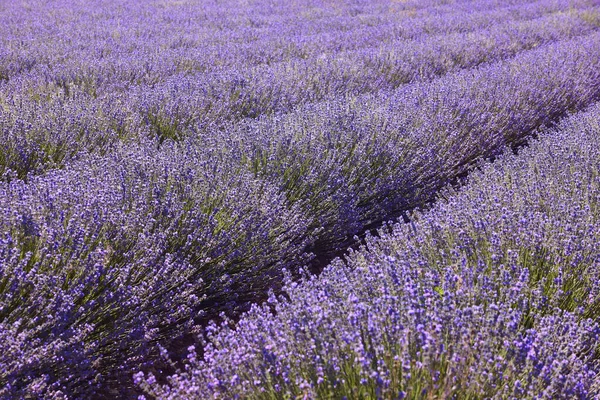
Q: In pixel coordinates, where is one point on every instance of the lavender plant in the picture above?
(493, 293)
(306, 31)
(103, 261)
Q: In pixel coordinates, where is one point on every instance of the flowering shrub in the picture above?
(102, 261)
(81, 80)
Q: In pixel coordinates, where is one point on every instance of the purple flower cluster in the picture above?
(76, 78)
(164, 162)
(493, 293)
(101, 261)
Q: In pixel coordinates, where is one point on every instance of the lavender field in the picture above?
(319, 199)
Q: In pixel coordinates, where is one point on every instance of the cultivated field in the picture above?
(368, 199)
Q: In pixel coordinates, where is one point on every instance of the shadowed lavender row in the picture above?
(46, 125)
(494, 293)
(100, 262)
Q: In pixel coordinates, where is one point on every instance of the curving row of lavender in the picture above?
(377, 155)
(494, 293)
(264, 32)
(103, 260)
(82, 102)
(137, 238)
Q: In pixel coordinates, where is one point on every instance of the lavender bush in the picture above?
(353, 162)
(291, 30)
(492, 294)
(103, 260)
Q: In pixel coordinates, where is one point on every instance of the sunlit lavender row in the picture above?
(211, 36)
(494, 293)
(164, 162)
(352, 163)
(85, 102)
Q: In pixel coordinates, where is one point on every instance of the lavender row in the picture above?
(353, 163)
(101, 262)
(98, 69)
(82, 39)
(494, 293)
(91, 71)
(181, 102)
(44, 127)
